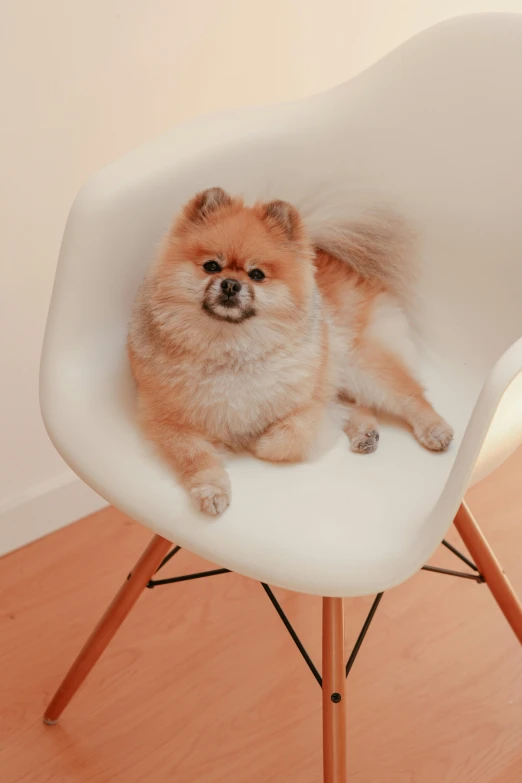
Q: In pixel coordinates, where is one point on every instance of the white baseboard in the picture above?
(44, 508)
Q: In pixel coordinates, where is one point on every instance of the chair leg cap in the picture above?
(49, 722)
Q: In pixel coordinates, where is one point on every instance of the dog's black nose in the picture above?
(230, 287)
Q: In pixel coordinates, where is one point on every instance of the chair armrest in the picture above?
(485, 445)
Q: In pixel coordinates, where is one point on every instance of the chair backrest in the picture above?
(435, 129)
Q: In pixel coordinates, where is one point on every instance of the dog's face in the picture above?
(233, 263)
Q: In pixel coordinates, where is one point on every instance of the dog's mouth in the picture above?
(232, 304)
(228, 310)
(233, 308)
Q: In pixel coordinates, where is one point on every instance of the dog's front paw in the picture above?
(210, 499)
(281, 444)
(272, 446)
(291, 439)
(436, 436)
(211, 496)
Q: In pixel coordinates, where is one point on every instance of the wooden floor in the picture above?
(202, 683)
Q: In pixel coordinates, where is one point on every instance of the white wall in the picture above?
(83, 81)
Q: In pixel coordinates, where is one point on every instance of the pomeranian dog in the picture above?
(246, 327)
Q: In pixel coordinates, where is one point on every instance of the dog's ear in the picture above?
(205, 203)
(283, 218)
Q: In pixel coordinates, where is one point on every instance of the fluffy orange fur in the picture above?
(243, 333)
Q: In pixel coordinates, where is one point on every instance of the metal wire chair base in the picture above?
(475, 575)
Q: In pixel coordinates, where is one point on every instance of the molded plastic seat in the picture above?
(435, 129)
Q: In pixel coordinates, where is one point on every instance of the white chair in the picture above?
(436, 127)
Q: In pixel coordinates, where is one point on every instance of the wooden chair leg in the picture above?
(334, 692)
(116, 613)
(490, 569)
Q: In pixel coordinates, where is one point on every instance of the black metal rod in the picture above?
(462, 574)
(286, 622)
(168, 557)
(187, 577)
(456, 552)
(364, 631)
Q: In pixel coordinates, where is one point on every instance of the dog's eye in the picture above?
(256, 274)
(212, 267)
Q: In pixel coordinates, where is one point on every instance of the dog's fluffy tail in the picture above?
(377, 244)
